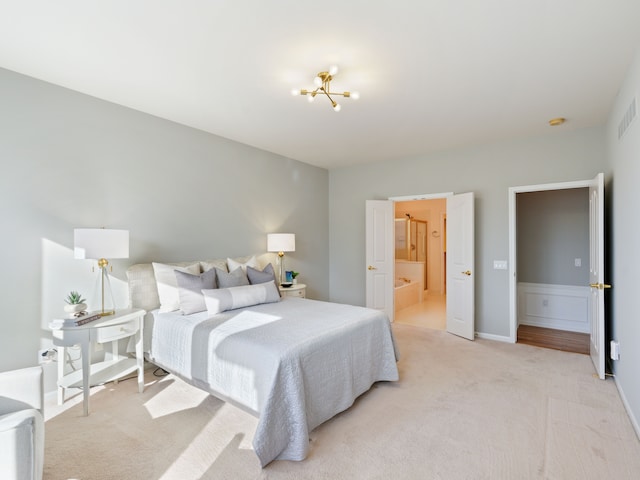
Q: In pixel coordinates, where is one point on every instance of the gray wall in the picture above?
(70, 160)
(624, 246)
(552, 231)
(488, 171)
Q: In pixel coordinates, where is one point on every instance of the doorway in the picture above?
(459, 241)
(578, 303)
(553, 273)
(420, 263)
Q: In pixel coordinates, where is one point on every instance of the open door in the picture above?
(596, 273)
(380, 255)
(460, 265)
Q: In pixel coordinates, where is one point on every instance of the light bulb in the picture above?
(295, 92)
(311, 98)
(355, 95)
(337, 107)
(333, 69)
(317, 82)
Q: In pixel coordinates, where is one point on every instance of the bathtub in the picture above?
(406, 293)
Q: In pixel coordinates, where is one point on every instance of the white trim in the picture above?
(424, 196)
(441, 251)
(567, 306)
(627, 407)
(497, 338)
(553, 186)
(513, 191)
(48, 396)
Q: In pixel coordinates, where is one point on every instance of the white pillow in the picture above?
(220, 263)
(233, 264)
(168, 285)
(223, 299)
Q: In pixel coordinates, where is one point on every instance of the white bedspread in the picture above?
(294, 364)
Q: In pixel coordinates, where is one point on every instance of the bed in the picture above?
(294, 363)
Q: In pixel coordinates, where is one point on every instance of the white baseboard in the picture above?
(497, 338)
(49, 395)
(627, 407)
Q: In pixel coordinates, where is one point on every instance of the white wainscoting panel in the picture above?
(563, 307)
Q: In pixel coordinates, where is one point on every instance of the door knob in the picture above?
(599, 286)
(467, 273)
(371, 267)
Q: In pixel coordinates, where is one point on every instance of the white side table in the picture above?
(124, 323)
(296, 290)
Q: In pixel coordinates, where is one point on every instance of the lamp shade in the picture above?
(281, 242)
(96, 243)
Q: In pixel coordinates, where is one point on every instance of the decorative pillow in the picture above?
(220, 263)
(251, 262)
(223, 299)
(235, 278)
(168, 285)
(256, 276)
(266, 275)
(190, 290)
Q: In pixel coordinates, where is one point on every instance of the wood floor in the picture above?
(556, 339)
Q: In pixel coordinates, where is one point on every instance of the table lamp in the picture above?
(280, 243)
(98, 244)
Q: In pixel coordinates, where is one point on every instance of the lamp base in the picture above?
(107, 304)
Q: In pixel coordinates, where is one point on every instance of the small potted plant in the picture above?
(74, 303)
(293, 276)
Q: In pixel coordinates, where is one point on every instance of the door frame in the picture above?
(513, 280)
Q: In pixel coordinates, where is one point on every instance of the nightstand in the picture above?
(123, 324)
(297, 290)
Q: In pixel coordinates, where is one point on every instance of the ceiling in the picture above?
(432, 75)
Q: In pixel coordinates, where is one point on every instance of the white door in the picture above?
(596, 273)
(460, 265)
(380, 256)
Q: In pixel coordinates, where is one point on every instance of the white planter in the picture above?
(78, 307)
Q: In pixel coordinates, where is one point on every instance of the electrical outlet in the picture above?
(47, 355)
(42, 355)
(577, 262)
(615, 350)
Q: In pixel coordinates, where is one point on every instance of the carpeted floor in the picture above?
(462, 410)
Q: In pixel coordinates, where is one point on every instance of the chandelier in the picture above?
(322, 83)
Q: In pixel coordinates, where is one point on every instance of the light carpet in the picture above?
(462, 410)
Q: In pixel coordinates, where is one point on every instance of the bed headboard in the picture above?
(143, 290)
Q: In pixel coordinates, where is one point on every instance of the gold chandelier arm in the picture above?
(310, 92)
(329, 97)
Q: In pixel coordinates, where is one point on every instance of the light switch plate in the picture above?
(499, 264)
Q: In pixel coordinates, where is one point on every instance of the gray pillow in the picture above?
(237, 278)
(256, 276)
(190, 290)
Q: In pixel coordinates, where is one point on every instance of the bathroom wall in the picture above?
(432, 211)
